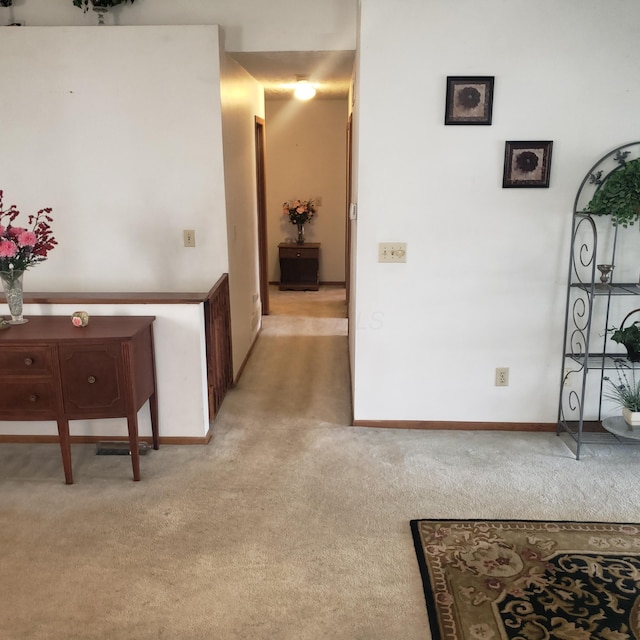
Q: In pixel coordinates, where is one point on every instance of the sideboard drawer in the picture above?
(27, 398)
(27, 360)
(92, 380)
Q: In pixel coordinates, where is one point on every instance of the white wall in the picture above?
(119, 130)
(484, 282)
(242, 101)
(249, 25)
(306, 158)
(354, 113)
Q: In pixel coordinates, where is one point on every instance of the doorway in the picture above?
(306, 159)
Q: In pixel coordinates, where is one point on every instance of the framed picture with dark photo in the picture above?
(527, 164)
(469, 100)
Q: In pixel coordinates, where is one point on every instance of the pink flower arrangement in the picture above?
(21, 248)
(299, 211)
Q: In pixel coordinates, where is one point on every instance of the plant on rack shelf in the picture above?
(629, 336)
(98, 4)
(618, 194)
(625, 392)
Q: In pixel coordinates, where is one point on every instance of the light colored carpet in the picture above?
(290, 525)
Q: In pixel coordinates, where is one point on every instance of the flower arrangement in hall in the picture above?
(20, 247)
(299, 211)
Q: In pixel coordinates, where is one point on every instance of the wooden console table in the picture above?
(299, 266)
(51, 370)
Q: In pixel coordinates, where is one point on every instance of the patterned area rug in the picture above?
(513, 579)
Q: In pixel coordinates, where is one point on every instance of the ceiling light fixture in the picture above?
(304, 90)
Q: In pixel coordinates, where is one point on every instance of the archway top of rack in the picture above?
(601, 170)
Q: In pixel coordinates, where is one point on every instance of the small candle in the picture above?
(80, 319)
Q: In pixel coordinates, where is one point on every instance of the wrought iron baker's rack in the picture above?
(592, 305)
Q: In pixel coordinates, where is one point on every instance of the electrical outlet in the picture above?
(502, 377)
(189, 238)
(392, 252)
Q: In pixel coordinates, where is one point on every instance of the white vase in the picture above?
(632, 418)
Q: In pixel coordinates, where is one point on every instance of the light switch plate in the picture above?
(392, 252)
(189, 238)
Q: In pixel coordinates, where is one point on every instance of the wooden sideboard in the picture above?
(178, 371)
(299, 266)
(51, 370)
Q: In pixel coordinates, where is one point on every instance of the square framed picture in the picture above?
(469, 100)
(527, 164)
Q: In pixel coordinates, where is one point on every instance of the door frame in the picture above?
(261, 191)
(347, 238)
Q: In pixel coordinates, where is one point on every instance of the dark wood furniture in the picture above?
(299, 266)
(51, 370)
(217, 320)
(217, 326)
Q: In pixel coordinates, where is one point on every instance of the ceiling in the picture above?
(277, 71)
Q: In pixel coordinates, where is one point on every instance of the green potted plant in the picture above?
(618, 194)
(629, 336)
(105, 5)
(626, 393)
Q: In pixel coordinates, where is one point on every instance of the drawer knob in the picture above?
(33, 397)
(28, 361)
(91, 379)
(298, 255)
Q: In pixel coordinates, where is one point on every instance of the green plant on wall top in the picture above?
(84, 4)
(618, 195)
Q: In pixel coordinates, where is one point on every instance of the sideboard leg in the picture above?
(134, 445)
(153, 410)
(65, 449)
